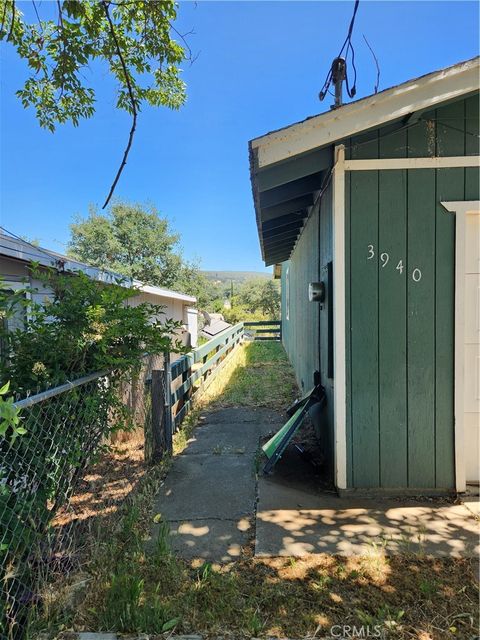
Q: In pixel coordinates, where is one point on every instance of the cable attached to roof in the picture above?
(338, 70)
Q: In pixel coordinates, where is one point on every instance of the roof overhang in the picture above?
(289, 166)
(18, 249)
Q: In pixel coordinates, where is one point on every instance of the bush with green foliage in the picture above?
(83, 326)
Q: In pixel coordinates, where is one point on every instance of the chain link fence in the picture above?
(64, 479)
(82, 449)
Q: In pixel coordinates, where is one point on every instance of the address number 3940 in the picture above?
(385, 259)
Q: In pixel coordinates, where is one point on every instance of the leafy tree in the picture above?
(84, 327)
(260, 295)
(132, 38)
(190, 280)
(132, 240)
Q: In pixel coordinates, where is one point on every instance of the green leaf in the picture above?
(170, 624)
(5, 388)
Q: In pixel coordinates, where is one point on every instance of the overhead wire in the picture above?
(347, 47)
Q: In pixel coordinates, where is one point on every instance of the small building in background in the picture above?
(372, 210)
(17, 256)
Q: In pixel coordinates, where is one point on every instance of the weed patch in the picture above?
(132, 590)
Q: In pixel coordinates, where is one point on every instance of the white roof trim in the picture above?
(415, 95)
(164, 293)
(26, 252)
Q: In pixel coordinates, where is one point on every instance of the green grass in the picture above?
(263, 378)
(134, 592)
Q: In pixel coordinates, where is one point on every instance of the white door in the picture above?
(471, 350)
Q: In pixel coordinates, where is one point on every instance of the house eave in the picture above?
(25, 252)
(290, 166)
(352, 118)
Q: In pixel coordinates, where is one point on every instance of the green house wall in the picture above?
(399, 302)
(305, 331)
(400, 264)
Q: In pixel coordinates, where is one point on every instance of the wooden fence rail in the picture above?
(175, 387)
(264, 330)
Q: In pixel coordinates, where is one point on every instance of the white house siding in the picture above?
(14, 271)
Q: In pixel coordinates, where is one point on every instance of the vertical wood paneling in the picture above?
(348, 329)
(472, 147)
(364, 328)
(400, 333)
(392, 340)
(450, 186)
(404, 408)
(324, 257)
(421, 316)
(301, 337)
(364, 345)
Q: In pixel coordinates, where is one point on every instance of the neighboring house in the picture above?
(379, 201)
(214, 324)
(17, 255)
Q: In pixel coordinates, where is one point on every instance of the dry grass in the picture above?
(260, 376)
(406, 596)
(124, 589)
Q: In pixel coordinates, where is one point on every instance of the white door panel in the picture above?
(471, 334)
(472, 438)
(472, 244)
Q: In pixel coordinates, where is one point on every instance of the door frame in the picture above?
(460, 209)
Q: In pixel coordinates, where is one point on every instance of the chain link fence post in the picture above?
(158, 416)
(167, 373)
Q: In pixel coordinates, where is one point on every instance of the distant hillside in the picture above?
(236, 276)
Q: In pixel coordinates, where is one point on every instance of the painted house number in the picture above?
(384, 259)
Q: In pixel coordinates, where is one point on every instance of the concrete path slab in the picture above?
(222, 438)
(208, 486)
(473, 505)
(242, 414)
(209, 495)
(292, 522)
(215, 540)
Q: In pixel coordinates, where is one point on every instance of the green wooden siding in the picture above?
(300, 331)
(305, 332)
(400, 302)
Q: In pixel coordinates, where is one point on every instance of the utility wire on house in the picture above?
(338, 71)
(377, 82)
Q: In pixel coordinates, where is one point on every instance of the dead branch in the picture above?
(183, 36)
(132, 101)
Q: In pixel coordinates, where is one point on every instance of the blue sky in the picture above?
(260, 67)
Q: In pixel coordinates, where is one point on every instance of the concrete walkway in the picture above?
(209, 495)
(209, 499)
(295, 522)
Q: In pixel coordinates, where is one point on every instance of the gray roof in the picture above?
(14, 247)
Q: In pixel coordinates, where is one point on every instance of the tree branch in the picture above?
(3, 15)
(132, 101)
(60, 15)
(183, 36)
(13, 21)
(63, 51)
(38, 17)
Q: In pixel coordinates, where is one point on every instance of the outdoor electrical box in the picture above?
(316, 292)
